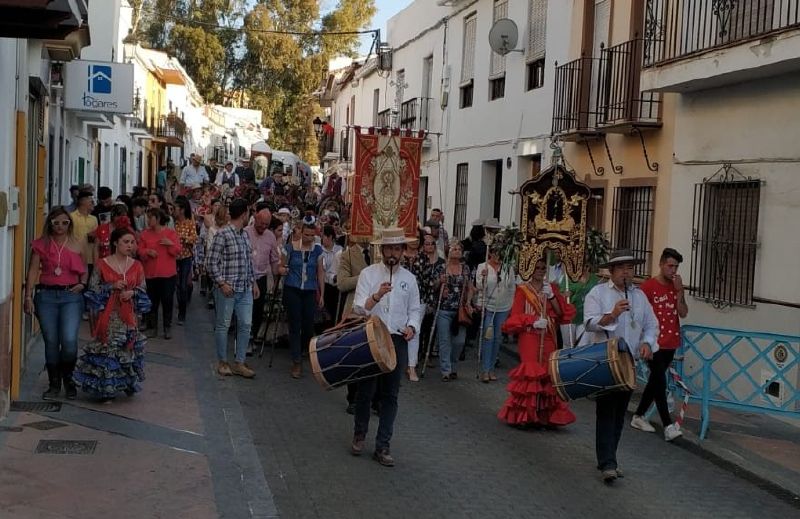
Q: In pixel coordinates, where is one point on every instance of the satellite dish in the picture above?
(503, 36)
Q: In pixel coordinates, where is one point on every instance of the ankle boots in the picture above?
(70, 391)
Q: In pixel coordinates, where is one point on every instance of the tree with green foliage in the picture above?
(227, 49)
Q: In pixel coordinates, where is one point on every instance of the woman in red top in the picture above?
(158, 249)
(58, 272)
(536, 313)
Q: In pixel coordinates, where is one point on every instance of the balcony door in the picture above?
(601, 37)
(427, 91)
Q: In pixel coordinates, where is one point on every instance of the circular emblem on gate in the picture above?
(781, 353)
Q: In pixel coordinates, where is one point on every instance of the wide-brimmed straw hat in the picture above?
(392, 236)
(620, 257)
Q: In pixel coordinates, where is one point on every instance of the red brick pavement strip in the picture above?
(125, 476)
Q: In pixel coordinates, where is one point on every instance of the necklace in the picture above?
(122, 272)
(59, 250)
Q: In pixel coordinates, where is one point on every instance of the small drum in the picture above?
(353, 350)
(592, 370)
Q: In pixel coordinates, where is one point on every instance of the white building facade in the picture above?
(488, 116)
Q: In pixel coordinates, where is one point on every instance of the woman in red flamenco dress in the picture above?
(533, 401)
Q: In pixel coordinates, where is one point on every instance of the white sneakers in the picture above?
(672, 431)
(640, 423)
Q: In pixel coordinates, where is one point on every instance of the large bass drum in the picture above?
(354, 350)
(592, 370)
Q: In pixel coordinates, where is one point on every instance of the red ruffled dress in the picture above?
(533, 399)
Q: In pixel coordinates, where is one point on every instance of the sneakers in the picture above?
(241, 369)
(672, 431)
(357, 447)
(383, 457)
(609, 476)
(224, 369)
(640, 423)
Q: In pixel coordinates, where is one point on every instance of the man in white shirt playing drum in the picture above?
(389, 292)
(617, 309)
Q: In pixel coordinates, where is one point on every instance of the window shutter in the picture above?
(496, 61)
(537, 30)
(468, 56)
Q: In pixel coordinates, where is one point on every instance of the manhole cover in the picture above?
(66, 447)
(6, 428)
(36, 407)
(44, 425)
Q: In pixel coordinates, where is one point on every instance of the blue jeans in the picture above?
(242, 304)
(182, 288)
(301, 306)
(490, 348)
(59, 313)
(450, 345)
(388, 387)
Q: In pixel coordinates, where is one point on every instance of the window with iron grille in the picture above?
(725, 238)
(460, 211)
(632, 223)
(534, 75)
(497, 88)
(465, 100)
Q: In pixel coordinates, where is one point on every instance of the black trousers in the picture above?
(610, 419)
(656, 388)
(331, 305)
(161, 291)
(258, 307)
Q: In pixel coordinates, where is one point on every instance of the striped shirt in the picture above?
(230, 259)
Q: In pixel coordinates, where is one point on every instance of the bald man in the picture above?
(266, 259)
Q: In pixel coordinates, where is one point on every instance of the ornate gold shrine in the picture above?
(554, 217)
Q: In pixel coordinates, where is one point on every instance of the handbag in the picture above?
(464, 316)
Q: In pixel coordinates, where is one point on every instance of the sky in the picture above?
(386, 9)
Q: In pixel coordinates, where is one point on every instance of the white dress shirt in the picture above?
(330, 262)
(637, 325)
(398, 308)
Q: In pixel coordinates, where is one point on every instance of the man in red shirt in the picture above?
(666, 295)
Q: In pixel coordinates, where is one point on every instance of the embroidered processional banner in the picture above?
(386, 182)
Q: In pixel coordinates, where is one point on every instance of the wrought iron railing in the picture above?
(740, 370)
(620, 98)
(632, 224)
(415, 113)
(574, 105)
(384, 119)
(678, 29)
(170, 127)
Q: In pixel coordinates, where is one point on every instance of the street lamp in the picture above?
(318, 126)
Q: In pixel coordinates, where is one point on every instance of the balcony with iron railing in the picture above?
(384, 118)
(700, 44)
(575, 99)
(415, 114)
(621, 105)
(170, 129)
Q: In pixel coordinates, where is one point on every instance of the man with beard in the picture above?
(389, 292)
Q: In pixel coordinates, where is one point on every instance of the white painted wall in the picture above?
(516, 126)
(759, 138)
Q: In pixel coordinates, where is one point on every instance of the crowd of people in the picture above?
(270, 251)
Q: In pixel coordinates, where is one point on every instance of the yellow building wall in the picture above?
(626, 149)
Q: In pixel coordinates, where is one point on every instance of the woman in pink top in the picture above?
(158, 249)
(58, 273)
